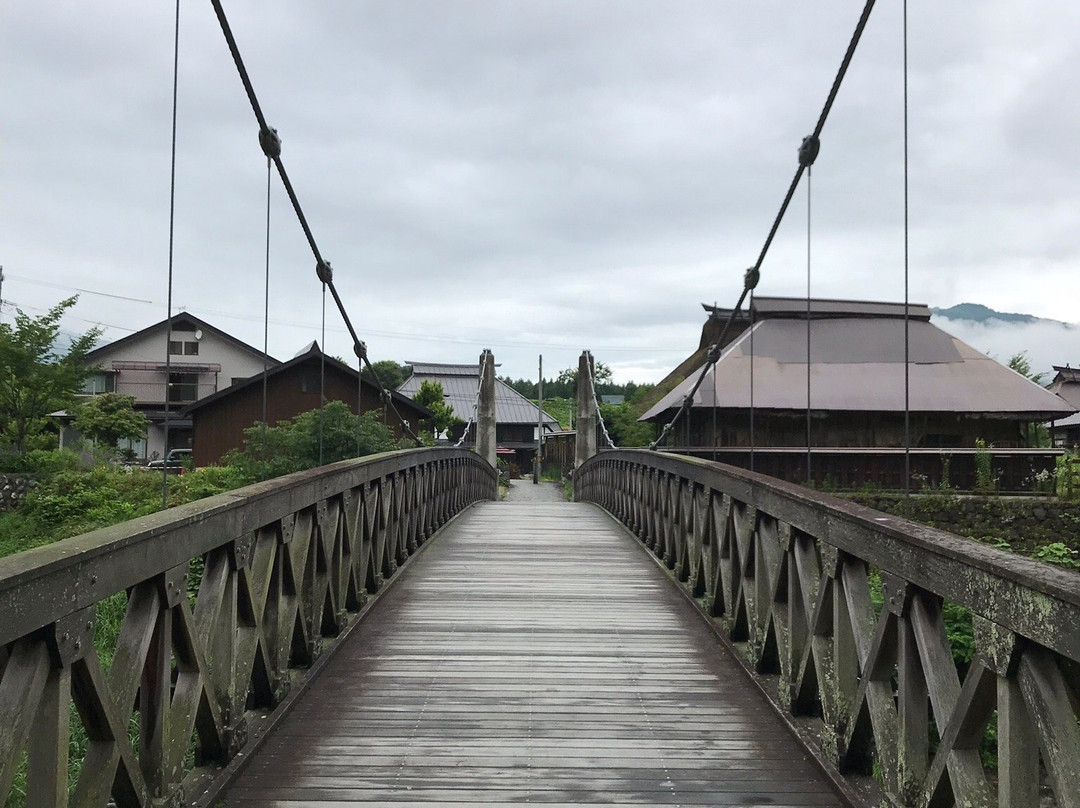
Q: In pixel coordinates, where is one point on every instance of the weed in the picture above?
(985, 479)
(1057, 553)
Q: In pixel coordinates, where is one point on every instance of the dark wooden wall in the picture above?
(219, 426)
(847, 429)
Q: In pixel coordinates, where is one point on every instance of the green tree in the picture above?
(293, 445)
(624, 427)
(1021, 363)
(390, 373)
(34, 378)
(1036, 435)
(431, 396)
(110, 418)
(524, 386)
(565, 384)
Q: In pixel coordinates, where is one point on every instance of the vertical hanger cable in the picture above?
(172, 230)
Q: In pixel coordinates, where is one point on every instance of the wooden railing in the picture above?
(840, 612)
(220, 606)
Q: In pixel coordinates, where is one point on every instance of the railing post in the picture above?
(586, 411)
(485, 410)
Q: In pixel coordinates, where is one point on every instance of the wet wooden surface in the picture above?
(533, 654)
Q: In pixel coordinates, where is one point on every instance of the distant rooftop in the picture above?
(436, 369)
(766, 308)
(460, 384)
(857, 357)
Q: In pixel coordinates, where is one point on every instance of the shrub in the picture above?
(294, 445)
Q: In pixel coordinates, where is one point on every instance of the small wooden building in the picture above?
(1065, 432)
(219, 420)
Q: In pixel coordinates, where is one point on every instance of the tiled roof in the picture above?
(459, 388)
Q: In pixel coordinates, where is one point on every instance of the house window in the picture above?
(184, 347)
(100, 383)
(183, 387)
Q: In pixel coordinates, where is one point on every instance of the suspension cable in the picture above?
(596, 403)
(172, 230)
(808, 152)
(809, 422)
(322, 375)
(476, 403)
(270, 143)
(813, 140)
(907, 317)
(266, 324)
(750, 311)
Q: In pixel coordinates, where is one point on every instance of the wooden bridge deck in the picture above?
(534, 654)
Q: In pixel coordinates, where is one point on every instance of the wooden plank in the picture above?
(533, 654)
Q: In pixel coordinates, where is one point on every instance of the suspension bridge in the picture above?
(385, 630)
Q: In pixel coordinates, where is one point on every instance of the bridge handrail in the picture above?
(791, 578)
(285, 565)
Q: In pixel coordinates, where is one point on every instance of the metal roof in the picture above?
(459, 389)
(179, 322)
(1067, 374)
(765, 308)
(435, 369)
(857, 365)
(310, 352)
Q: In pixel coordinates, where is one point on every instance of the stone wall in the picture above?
(13, 488)
(1024, 522)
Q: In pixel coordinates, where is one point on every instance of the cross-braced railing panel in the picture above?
(224, 603)
(844, 609)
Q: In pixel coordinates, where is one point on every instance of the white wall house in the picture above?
(201, 360)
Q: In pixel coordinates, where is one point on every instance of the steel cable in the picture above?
(809, 422)
(596, 403)
(808, 152)
(476, 403)
(172, 231)
(266, 323)
(907, 314)
(270, 143)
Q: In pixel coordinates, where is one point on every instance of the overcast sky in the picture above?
(533, 177)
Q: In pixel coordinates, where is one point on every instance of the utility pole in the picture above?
(539, 424)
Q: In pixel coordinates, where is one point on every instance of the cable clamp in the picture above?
(360, 349)
(270, 142)
(751, 278)
(324, 271)
(713, 353)
(808, 151)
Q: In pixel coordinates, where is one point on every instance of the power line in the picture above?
(417, 337)
(67, 315)
(79, 289)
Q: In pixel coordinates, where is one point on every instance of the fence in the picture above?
(219, 607)
(854, 622)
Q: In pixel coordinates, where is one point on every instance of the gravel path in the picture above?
(524, 490)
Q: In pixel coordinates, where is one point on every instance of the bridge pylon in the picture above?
(586, 441)
(485, 409)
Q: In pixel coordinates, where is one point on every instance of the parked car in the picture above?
(174, 460)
